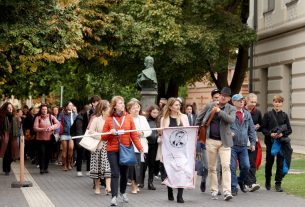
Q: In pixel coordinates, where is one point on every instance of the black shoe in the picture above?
(179, 195)
(278, 188)
(242, 187)
(170, 194)
(41, 172)
(151, 186)
(180, 200)
(7, 173)
(268, 185)
(46, 171)
(141, 185)
(234, 192)
(202, 186)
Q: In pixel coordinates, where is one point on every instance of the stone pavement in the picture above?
(61, 189)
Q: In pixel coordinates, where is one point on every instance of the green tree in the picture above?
(188, 40)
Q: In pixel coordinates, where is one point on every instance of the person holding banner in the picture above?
(219, 141)
(118, 122)
(172, 117)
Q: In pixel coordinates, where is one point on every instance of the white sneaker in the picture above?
(114, 201)
(124, 197)
(254, 187)
(214, 195)
(79, 174)
(228, 196)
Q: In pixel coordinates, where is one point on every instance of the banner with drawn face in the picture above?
(178, 152)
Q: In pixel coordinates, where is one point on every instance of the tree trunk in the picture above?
(172, 89)
(241, 68)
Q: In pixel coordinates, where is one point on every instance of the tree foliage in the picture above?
(99, 46)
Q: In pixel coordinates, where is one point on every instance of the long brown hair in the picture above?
(113, 103)
(102, 106)
(150, 109)
(4, 112)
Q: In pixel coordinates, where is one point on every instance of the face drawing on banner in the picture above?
(178, 138)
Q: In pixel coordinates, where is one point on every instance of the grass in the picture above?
(292, 183)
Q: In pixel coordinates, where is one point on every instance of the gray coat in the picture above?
(227, 117)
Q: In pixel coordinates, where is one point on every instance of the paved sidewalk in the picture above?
(61, 189)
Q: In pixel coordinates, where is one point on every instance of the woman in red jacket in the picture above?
(119, 120)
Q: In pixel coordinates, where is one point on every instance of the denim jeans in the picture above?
(202, 162)
(239, 153)
(117, 171)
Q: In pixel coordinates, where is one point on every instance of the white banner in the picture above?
(178, 153)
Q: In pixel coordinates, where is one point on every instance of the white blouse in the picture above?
(142, 124)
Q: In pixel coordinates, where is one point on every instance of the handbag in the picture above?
(88, 142)
(127, 155)
(54, 137)
(202, 137)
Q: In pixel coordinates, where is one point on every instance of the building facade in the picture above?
(199, 93)
(279, 58)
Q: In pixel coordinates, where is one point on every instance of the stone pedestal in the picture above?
(148, 98)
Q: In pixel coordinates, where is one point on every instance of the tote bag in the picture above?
(89, 143)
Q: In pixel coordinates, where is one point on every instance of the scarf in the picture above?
(13, 124)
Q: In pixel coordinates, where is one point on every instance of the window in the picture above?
(269, 5)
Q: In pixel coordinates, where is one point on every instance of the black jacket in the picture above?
(269, 123)
(152, 139)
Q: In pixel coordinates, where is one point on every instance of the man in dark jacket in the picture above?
(273, 119)
(250, 105)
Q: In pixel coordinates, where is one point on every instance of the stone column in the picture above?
(148, 98)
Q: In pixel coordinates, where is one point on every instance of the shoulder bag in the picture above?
(126, 154)
(202, 137)
(88, 142)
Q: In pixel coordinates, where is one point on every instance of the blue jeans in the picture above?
(241, 154)
(117, 171)
(201, 161)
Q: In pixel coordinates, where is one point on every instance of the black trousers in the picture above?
(7, 159)
(117, 171)
(269, 163)
(151, 160)
(81, 153)
(44, 152)
(251, 178)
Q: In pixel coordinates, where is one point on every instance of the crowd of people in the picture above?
(232, 141)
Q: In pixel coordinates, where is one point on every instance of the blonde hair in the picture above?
(114, 101)
(167, 111)
(131, 103)
(278, 98)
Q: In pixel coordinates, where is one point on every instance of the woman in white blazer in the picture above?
(136, 174)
